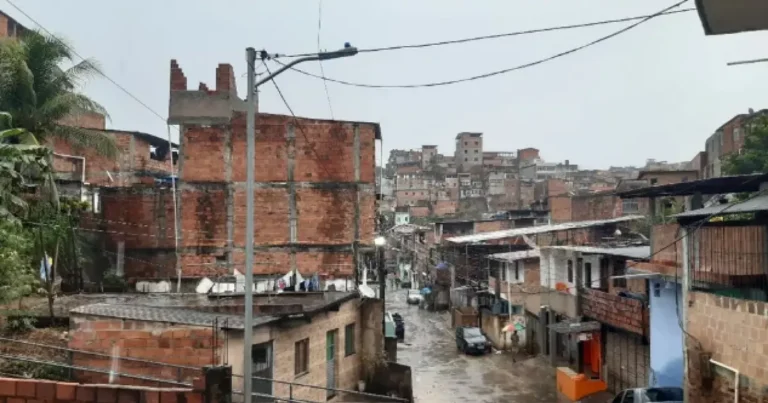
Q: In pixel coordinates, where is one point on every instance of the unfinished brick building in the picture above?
(314, 199)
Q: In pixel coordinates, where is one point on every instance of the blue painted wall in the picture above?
(666, 336)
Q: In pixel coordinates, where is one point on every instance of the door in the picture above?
(330, 355)
(262, 372)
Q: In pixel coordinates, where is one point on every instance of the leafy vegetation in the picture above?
(36, 95)
(753, 157)
(39, 94)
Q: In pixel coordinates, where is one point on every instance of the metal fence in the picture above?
(729, 260)
(290, 391)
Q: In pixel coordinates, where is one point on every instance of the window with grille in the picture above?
(301, 357)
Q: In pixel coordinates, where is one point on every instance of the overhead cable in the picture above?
(497, 72)
(504, 35)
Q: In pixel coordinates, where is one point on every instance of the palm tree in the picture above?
(39, 94)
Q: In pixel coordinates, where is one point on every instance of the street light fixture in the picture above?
(250, 58)
(380, 241)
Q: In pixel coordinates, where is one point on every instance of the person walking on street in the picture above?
(514, 342)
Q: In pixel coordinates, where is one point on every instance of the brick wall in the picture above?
(625, 313)
(88, 120)
(669, 177)
(560, 208)
(36, 390)
(734, 332)
(444, 207)
(132, 163)
(495, 225)
(166, 343)
(595, 207)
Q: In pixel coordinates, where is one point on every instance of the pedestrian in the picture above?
(514, 342)
(397, 282)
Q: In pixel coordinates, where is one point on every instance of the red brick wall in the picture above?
(528, 154)
(734, 332)
(595, 207)
(444, 207)
(164, 343)
(560, 208)
(37, 390)
(496, 225)
(88, 120)
(625, 313)
(126, 169)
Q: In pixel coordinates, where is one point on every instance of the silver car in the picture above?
(650, 395)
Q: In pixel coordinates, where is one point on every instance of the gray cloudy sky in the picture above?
(656, 91)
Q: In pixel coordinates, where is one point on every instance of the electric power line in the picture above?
(320, 62)
(74, 52)
(504, 35)
(497, 72)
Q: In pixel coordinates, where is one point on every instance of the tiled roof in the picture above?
(170, 315)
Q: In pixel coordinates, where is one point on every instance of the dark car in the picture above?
(650, 395)
(472, 340)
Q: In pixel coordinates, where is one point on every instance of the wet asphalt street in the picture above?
(442, 374)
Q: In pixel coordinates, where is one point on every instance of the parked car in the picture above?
(472, 340)
(414, 297)
(650, 395)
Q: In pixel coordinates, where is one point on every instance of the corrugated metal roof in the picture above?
(408, 228)
(759, 203)
(634, 252)
(488, 236)
(169, 315)
(513, 256)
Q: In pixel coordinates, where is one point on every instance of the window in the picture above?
(570, 271)
(517, 270)
(466, 151)
(475, 158)
(465, 160)
(654, 181)
(349, 339)
(465, 143)
(629, 206)
(301, 357)
(588, 275)
(475, 151)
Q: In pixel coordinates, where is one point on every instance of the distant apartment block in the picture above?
(469, 151)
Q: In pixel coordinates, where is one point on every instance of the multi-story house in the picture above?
(727, 139)
(469, 151)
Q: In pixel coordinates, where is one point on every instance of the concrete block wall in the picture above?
(37, 390)
(733, 331)
(164, 343)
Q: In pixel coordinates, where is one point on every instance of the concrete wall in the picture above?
(283, 343)
(666, 334)
(734, 332)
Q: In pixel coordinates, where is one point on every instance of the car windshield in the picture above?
(472, 332)
(664, 395)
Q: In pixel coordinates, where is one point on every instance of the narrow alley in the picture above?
(442, 374)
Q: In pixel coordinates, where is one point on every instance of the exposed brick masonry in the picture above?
(36, 390)
(734, 331)
(162, 343)
(625, 313)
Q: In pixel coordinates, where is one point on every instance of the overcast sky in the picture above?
(656, 91)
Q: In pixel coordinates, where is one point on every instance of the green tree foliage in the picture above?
(39, 93)
(754, 156)
(17, 274)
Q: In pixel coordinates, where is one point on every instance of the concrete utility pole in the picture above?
(250, 57)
